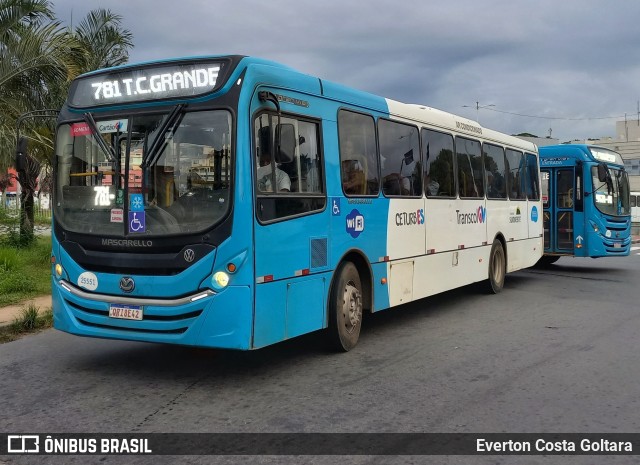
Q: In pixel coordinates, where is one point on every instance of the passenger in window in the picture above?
(433, 186)
(265, 175)
(407, 168)
(353, 181)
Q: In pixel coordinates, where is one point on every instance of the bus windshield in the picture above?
(151, 174)
(612, 200)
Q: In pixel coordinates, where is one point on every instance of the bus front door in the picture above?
(558, 198)
(562, 212)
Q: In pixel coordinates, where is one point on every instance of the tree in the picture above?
(38, 60)
(101, 36)
(35, 51)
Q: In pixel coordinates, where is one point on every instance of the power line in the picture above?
(554, 117)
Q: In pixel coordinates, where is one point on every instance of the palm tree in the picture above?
(38, 60)
(101, 36)
(34, 50)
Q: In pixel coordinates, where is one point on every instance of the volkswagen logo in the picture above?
(127, 284)
(189, 255)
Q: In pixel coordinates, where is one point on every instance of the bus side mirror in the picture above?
(21, 155)
(286, 143)
(602, 172)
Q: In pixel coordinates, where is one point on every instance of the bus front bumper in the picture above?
(215, 320)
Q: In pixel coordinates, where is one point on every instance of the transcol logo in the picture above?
(355, 223)
(479, 216)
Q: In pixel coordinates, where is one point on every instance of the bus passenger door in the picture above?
(547, 209)
(562, 218)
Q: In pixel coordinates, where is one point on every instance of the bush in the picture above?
(27, 321)
(8, 260)
(25, 272)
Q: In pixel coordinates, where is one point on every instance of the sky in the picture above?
(572, 67)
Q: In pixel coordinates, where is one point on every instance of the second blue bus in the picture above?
(586, 204)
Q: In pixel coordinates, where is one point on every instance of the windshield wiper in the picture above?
(88, 117)
(161, 140)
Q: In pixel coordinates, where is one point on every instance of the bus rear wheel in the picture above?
(345, 308)
(497, 268)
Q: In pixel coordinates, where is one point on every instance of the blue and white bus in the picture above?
(585, 192)
(233, 202)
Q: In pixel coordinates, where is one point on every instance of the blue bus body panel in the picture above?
(288, 305)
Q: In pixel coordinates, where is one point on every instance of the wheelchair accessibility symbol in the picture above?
(335, 207)
(137, 222)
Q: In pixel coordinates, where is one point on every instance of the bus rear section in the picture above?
(586, 202)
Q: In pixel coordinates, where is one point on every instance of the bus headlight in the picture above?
(58, 270)
(594, 226)
(220, 279)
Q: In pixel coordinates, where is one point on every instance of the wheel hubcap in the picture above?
(351, 307)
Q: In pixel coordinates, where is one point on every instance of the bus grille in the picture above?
(622, 249)
(618, 225)
(97, 316)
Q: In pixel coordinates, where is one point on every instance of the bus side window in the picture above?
(297, 168)
(564, 185)
(494, 167)
(358, 153)
(533, 183)
(516, 180)
(439, 177)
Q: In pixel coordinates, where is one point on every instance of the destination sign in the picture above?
(605, 155)
(147, 83)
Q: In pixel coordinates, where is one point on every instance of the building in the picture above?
(9, 196)
(626, 143)
(540, 141)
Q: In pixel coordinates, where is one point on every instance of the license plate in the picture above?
(126, 312)
(617, 246)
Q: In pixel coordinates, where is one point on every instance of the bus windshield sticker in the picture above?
(136, 203)
(119, 125)
(137, 222)
(80, 129)
(117, 215)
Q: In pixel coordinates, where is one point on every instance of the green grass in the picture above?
(25, 271)
(29, 321)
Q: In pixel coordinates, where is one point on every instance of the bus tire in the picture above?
(345, 308)
(497, 268)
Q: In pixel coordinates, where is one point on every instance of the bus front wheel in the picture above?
(497, 267)
(345, 308)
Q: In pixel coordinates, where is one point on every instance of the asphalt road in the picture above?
(556, 351)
